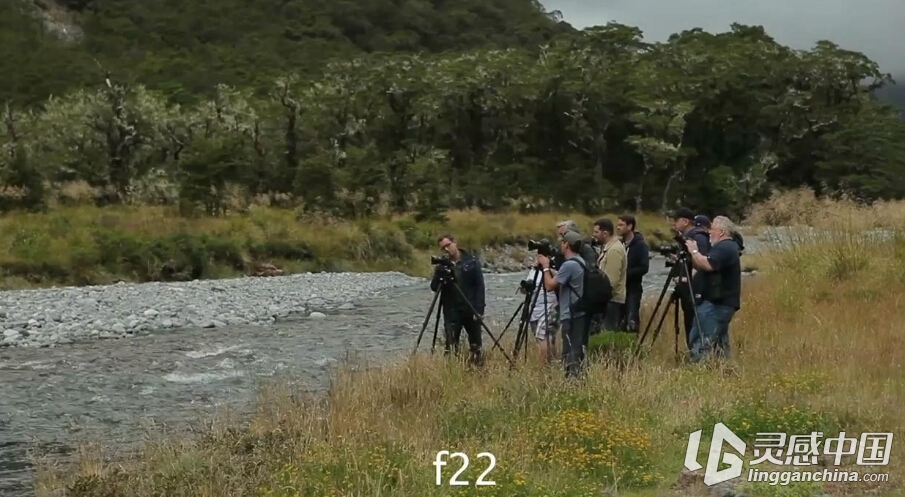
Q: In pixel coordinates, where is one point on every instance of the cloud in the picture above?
(872, 27)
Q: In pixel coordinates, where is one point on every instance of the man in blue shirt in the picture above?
(568, 282)
(722, 288)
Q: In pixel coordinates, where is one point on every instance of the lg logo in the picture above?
(721, 433)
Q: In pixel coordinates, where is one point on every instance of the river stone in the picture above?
(58, 314)
(346, 307)
(317, 315)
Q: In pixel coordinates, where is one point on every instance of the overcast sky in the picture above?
(874, 27)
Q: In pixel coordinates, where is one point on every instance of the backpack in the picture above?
(598, 291)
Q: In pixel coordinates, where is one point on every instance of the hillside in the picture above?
(188, 47)
(423, 110)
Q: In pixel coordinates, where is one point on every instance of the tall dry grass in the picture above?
(85, 245)
(817, 346)
(802, 208)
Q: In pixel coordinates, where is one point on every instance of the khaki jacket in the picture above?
(613, 261)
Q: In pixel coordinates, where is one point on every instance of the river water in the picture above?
(108, 390)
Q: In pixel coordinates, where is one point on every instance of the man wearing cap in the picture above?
(685, 224)
(568, 282)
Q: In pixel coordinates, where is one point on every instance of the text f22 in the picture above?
(441, 460)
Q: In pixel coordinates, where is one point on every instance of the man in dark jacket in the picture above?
(638, 254)
(464, 269)
(692, 228)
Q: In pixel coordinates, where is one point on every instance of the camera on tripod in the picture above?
(546, 248)
(444, 264)
(441, 259)
(677, 250)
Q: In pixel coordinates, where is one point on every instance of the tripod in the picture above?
(447, 281)
(680, 269)
(525, 308)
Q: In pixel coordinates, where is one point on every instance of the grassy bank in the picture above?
(818, 347)
(89, 245)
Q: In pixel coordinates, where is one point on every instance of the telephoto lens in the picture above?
(437, 259)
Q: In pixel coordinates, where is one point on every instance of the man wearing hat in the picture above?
(568, 281)
(691, 227)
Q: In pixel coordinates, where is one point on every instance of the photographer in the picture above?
(590, 255)
(568, 282)
(638, 256)
(722, 272)
(691, 227)
(587, 251)
(464, 269)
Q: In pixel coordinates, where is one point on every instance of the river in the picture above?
(109, 390)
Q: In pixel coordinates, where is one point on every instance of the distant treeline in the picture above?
(596, 119)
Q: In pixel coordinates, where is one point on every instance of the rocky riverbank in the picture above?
(48, 317)
(57, 316)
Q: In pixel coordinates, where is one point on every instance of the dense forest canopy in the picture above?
(186, 48)
(421, 105)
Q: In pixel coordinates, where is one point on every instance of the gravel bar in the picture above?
(47, 317)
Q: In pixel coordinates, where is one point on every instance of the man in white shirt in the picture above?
(543, 324)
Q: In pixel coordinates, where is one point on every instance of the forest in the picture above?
(490, 105)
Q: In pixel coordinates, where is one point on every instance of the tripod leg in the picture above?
(436, 327)
(482, 323)
(518, 310)
(693, 304)
(427, 319)
(521, 336)
(653, 315)
(538, 286)
(518, 338)
(676, 325)
(527, 306)
(524, 326)
(672, 302)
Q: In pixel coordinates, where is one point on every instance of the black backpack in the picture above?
(598, 291)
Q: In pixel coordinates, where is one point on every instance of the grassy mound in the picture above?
(89, 245)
